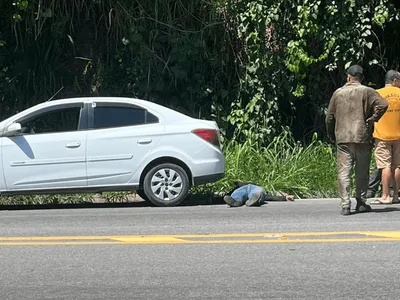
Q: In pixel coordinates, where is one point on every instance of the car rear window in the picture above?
(111, 116)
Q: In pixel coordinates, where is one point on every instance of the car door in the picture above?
(50, 152)
(120, 137)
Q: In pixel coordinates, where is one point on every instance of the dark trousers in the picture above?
(375, 180)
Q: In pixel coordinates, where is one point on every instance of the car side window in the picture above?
(59, 120)
(120, 116)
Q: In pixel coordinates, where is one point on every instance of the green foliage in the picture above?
(116, 197)
(294, 53)
(284, 165)
(257, 67)
(255, 111)
(254, 66)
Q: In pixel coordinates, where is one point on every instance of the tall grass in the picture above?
(283, 165)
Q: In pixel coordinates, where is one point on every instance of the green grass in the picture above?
(108, 197)
(284, 165)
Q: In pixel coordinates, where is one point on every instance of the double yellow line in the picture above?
(229, 238)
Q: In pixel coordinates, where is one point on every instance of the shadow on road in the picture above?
(72, 206)
(194, 200)
(385, 209)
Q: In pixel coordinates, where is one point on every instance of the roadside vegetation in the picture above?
(263, 70)
(284, 165)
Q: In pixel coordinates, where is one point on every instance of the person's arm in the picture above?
(283, 197)
(378, 104)
(274, 198)
(330, 119)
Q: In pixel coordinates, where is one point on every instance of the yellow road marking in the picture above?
(223, 238)
(390, 234)
(211, 235)
(57, 243)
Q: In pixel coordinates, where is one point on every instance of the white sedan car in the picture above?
(85, 145)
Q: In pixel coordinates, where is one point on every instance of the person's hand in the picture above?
(289, 198)
(370, 122)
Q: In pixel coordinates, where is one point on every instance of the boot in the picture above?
(345, 211)
(232, 202)
(255, 200)
(362, 206)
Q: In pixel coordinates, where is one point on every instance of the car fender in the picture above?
(161, 152)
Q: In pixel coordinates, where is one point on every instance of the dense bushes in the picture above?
(255, 66)
(284, 165)
(259, 68)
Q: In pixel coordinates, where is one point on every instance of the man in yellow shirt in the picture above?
(387, 138)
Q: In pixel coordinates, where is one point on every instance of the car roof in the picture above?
(147, 104)
(166, 112)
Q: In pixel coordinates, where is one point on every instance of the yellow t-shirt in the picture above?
(388, 127)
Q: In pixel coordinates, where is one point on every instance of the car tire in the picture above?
(142, 194)
(166, 185)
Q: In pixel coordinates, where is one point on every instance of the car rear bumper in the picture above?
(199, 180)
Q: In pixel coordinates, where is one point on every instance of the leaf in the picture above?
(70, 39)
(224, 93)
(347, 65)
(369, 45)
(22, 5)
(137, 38)
(17, 17)
(366, 33)
(48, 13)
(125, 41)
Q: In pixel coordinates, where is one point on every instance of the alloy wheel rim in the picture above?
(166, 184)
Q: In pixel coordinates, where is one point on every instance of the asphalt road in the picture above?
(300, 250)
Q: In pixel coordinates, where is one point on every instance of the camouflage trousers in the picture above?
(359, 156)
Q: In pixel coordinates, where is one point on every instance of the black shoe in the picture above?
(345, 211)
(232, 202)
(254, 200)
(362, 206)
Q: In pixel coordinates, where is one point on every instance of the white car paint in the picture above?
(114, 156)
(107, 158)
(43, 161)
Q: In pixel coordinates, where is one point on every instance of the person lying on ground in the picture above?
(250, 194)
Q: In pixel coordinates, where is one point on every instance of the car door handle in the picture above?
(73, 145)
(144, 141)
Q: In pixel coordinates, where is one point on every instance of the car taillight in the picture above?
(210, 135)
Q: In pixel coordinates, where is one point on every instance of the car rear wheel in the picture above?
(166, 185)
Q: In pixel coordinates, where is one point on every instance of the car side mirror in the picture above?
(13, 130)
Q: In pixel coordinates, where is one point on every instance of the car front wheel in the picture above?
(166, 185)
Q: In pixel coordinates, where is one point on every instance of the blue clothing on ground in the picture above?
(244, 193)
